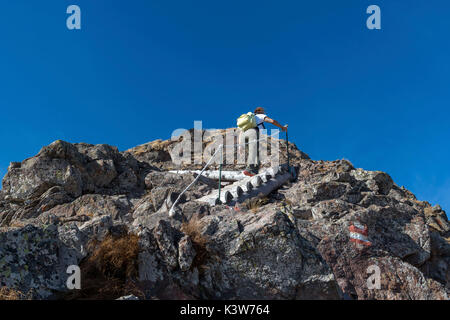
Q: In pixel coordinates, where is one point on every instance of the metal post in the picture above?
(220, 171)
(287, 148)
(290, 170)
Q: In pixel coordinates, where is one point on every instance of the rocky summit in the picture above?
(333, 232)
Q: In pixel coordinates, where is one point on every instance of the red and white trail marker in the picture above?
(234, 209)
(359, 234)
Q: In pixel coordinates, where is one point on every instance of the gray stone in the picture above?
(102, 172)
(186, 253)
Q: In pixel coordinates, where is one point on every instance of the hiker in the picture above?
(253, 134)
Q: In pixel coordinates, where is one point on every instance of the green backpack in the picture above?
(246, 121)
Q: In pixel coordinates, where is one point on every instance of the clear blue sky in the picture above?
(139, 69)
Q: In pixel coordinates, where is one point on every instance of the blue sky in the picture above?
(139, 69)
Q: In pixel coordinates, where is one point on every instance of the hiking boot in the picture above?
(250, 172)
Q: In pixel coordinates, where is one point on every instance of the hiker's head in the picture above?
(259, 110)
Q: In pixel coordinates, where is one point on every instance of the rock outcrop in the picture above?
(295, 243)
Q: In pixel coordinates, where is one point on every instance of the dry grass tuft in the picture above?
(16, 224)
(110, 270)
(160, 145)
(115, 256)
(193, 228)
(11, 294)
(140, 150)
(254, 204)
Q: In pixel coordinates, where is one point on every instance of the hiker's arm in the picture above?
(275, 123)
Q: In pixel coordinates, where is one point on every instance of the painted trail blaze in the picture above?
(359, 234)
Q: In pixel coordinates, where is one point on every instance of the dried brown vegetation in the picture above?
(254, 204)
(11, 294)
(193, 228)
(110, 270)
(115, 256)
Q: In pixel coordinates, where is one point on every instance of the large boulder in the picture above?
(78, 168)
(409, 234)
(36, 175)
(93, 205)
(251, 256)
(34, 259)
(62, 172)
